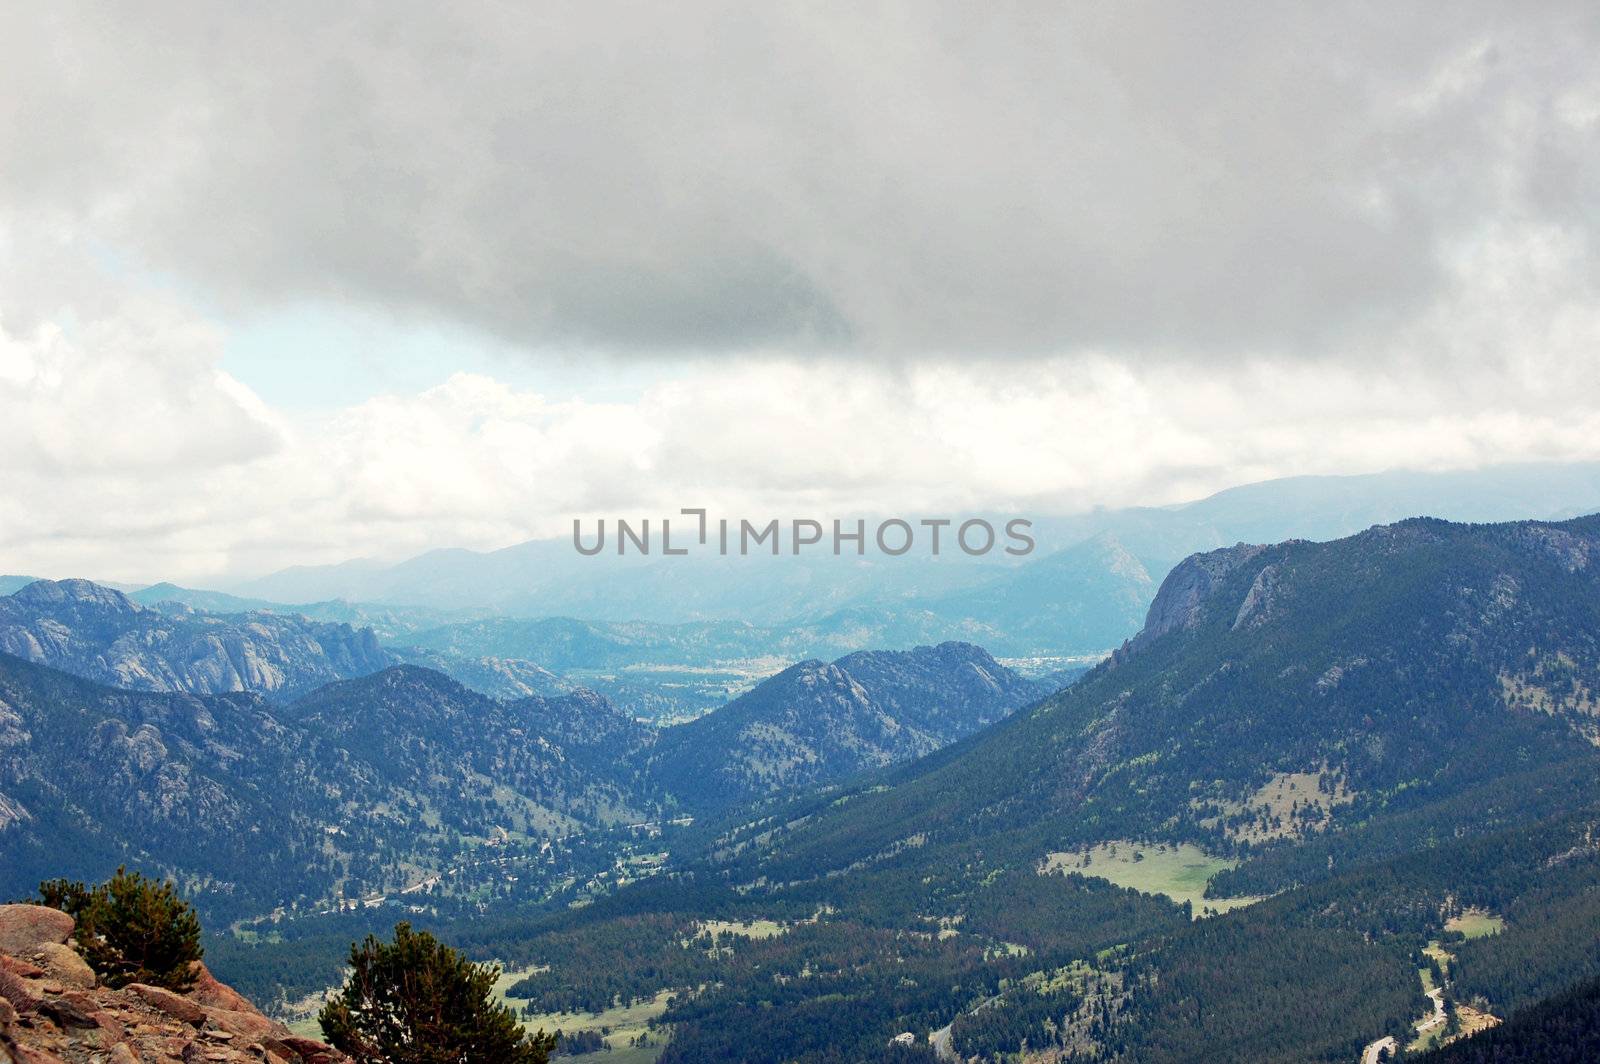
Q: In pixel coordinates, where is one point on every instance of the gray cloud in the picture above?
(1169, 179)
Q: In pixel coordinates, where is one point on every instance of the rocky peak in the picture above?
(101, 634)
(1177, 605)
(1180, 602)
(53, 1010)
(74, 595)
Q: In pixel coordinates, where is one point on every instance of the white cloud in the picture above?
(475, 463)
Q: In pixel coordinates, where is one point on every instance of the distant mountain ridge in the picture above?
(100, 633)
(548, 578)
(817, 722)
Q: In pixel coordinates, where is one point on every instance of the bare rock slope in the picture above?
(53, 1010)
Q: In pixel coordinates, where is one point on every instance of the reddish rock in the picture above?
(247, 1023)
(18, 993)
(209, 991)
(312, 1051)
(65, 965)
(66, 1014)
(24, 928)
(174, 1005)
(20, 968)
(138, 1024)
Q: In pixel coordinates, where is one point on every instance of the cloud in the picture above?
(903, 257)
(476, 463)
(1161, 182)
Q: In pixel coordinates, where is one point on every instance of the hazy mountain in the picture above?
(1085, 598)
(817, 723)
(389, 622)
(503, 678)
(179, 644)
(8, 584)
(100, 633)
(1072, 596)
(182, 598)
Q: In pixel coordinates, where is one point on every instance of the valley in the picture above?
(1285, 798)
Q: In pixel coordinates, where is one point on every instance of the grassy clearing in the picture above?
(307, 1027)
(1287, 806)
(742, 928)
(623, 1023)
(1476, 923)
(1179, 872)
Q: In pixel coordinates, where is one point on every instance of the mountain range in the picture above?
(359, 785)
(102, 634)
(1325, 790)
(376, 782)
(1345, 749)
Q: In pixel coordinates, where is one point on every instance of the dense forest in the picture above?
(1564, 1029)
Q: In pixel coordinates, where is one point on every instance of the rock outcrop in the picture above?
(100, 634)
(54, 1011)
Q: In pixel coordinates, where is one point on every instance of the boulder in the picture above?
(175, 1005)
(245, 1023)
(314, 1052)
(63, 964)
(24, 928)
(211, 992)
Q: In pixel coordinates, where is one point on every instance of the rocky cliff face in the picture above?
(98, 633)
(53, 1010)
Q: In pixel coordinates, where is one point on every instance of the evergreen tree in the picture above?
(417, 1001)
(131, 929)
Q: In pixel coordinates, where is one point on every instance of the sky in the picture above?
(296, 283)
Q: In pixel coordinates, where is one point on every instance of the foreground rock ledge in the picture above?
(52, 1010)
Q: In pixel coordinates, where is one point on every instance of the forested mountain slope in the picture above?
(360, 786)
(818, 723)
(1377, 673)
(1381, 732)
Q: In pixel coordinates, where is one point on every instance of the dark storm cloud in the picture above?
(984, 178)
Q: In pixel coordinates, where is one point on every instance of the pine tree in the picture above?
(131, 929)
(417, 1001)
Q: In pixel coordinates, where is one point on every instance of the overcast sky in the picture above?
(307, 281)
